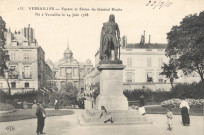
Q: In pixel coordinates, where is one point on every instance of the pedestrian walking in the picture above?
(169, 118)
(142, 100)
(105, 116)
(56, 104)
(185, 112)
(41, 115)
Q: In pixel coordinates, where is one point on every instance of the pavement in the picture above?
(69, 125)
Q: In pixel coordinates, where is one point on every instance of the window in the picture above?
(129, 62)
(149, 77)
(14, 73)
(13, 68)
(62, 72)
(75, 71)
(160, 62)
(13, 84)
(160, 78)
(12, 56)
(27, 72)
(129, 76)
(26, 55)
(69, 73)
(26, 85)
(149, 62)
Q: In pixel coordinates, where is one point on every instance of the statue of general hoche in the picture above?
(109, 41)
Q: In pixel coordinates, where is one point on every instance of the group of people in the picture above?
(41, 115)
(184, 113)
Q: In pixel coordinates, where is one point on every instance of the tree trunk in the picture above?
(202, 79)
(171, 81)
(200, 71)
(9, 88)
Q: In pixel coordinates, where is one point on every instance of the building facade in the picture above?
(27, 67)
(143, 67)
(69, 70)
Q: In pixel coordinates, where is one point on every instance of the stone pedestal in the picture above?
(111, 86)
(111, 96)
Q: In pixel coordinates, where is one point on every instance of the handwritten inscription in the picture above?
(158, 5)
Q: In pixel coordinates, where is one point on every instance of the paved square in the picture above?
(68, 125)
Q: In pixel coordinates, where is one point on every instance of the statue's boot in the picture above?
(116, 54)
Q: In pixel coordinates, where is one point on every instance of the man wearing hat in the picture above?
(40, 113)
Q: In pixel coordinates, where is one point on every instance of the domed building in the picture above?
(71, 70)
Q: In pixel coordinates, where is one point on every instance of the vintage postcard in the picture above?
(113, 67)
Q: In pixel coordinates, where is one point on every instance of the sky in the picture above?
(54, 33)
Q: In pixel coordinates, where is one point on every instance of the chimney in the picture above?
(8, 37)
(144, 38)
(141, 41)
(149, 38)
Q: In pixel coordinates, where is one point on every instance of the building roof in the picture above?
(20, 38)
(88, 62)
(67, 51)
(146, 46)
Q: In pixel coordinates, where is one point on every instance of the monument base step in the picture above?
(113, 124)
(123, 117)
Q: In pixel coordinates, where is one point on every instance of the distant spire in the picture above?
(144, 38)
(9, 29)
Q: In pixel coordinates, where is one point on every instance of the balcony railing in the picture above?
(13, 76)
(27, 76)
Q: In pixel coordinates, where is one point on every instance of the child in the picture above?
(169, 118)
(142, 110)
(105, 115)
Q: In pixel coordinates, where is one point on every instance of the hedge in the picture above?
(149, 95)
(175, 103)
(192, 91)
(6, 107)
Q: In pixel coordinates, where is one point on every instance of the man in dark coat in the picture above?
(40, 113)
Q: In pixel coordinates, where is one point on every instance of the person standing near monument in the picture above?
(109, 40)
(56, 104)
(41, 115)
(142, 100)
(185, 112)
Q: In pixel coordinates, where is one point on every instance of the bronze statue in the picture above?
(109, 41)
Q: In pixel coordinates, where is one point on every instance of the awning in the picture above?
(45, 89)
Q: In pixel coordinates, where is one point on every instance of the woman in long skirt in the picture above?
(185, 112)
